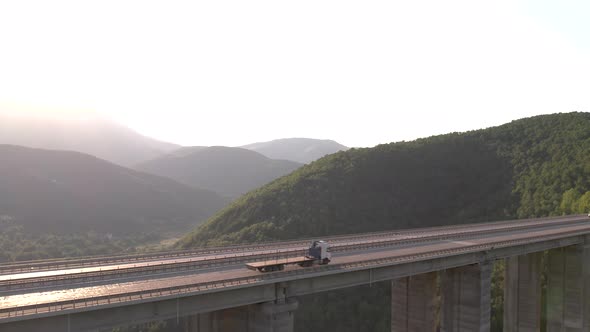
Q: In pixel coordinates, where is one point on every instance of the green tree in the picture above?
(583, 204)
(569, 201)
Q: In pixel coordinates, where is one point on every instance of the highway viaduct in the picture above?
(210, 290)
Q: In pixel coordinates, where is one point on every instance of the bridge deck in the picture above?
(226, 276)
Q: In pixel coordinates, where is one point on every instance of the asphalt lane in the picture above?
(240, 270)
(403, 235)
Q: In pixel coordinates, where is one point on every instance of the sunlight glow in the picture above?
(235, 72)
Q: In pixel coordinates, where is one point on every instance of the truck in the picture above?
(318, 253)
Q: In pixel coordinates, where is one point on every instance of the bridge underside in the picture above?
(414, 303)
(522, 293)
(568, 289)
(264, 317)
(466, 298)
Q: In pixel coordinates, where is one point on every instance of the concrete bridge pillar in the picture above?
(522, 293)
(233, 319)
(466, 299)
(568, 289)
(413, 303)
(199, 323)
(264, 317)
(272, 317)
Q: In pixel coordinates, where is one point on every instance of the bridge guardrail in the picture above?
(234, 282)
(226, 260)
(6, 268)
(159, 268)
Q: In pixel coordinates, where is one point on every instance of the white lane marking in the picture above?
(465, 243)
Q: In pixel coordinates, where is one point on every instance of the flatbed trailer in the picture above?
(279, 264)
(318, 252)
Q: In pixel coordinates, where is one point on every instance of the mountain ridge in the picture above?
(64, 191)
(298, 149)
(96, 136)
(228, 171)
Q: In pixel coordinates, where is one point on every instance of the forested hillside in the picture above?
(227, 171)
(68, 192)
(537, 166)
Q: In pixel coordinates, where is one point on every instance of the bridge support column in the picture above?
(199, 323)
(413, 303)
(234, 319)
(522, 293)
(264, 317)
(272, 317)
(466, 299)
(568, 289)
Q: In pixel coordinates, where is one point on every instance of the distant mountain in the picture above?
(228, 171)
(68, 192)
(99, 137)
(302, 150)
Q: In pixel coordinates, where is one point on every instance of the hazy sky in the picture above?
(234, 72)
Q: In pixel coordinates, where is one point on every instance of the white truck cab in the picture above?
(320, 250)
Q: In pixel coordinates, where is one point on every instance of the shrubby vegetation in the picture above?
(573, 202)
(17, 245)
(533, 167)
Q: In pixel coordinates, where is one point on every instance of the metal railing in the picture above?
(53, 264)
(186, 290)
(240, 258)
